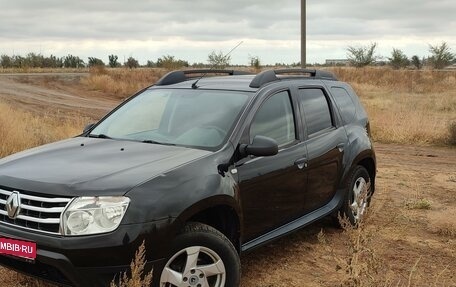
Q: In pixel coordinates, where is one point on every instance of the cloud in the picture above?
(271, 28)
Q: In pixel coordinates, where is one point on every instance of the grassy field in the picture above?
(20, 130)
(410, 239)
(121, 83)
(408, 107)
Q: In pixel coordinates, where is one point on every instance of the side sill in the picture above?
(330, 207)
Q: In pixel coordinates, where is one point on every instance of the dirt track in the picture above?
(52, 93)
(412, 219)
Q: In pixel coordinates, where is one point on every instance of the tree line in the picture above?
(440, 57)
(33, 60)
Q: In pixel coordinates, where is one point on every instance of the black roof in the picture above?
(237, 80)
(236, 83)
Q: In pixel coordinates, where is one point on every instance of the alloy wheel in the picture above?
(194, 266)
(359, 203)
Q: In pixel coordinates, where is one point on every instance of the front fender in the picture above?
(181, 194)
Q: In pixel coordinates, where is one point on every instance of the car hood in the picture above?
(91, 166)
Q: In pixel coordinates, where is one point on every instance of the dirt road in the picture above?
(408, 239)
(53, 93)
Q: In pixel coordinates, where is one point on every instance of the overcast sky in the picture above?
(191, 29)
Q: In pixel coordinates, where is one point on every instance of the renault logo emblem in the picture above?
(13, 205)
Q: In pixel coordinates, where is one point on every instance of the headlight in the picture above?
(94, 215)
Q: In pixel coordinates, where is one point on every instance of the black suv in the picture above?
(199, 168)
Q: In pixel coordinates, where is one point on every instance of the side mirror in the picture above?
(87, 128)
(261, 146)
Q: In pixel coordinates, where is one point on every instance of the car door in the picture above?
(272, 188)
(325, 141)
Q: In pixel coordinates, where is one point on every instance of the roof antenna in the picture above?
(194, 86)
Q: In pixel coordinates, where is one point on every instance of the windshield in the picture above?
(197, 118)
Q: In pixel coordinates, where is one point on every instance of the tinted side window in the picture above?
(345, 104)
(275, 119)
(317, 114)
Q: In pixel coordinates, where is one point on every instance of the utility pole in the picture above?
(303, 34)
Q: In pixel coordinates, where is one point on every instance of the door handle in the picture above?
(301, 163)
(341, 147)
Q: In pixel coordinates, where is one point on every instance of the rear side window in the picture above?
(275, 119)
(317, 113)
(345, 103)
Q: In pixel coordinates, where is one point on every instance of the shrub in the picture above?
(255, 62)
(94, 62)
(6, 61)
(441, 55)
(417, 63)
(218, 60)
(171, 63)
(71, 61)
(113, 61)
(131, 63)
(362, 56)
(398, 59)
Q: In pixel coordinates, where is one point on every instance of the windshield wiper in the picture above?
(100, 136)
(156, 142)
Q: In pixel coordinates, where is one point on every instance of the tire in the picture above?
(358, 195)
(200, 256)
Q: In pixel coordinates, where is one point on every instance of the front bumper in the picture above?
(89, 260)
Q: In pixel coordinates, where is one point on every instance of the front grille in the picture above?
(36, 212)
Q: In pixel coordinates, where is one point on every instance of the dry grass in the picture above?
(42, 70)
(416, 199)
(120, 83)
(136, 277)
(408, 81)
(20, 130)
(444, 226)
(420, 203)
(409, 107)
(361, 262)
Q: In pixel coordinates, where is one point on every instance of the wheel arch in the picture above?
(220, 212)
(368, 161)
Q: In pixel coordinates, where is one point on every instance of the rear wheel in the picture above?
(358, 196)
(201, 257)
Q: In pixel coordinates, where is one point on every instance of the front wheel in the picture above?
(201, 256)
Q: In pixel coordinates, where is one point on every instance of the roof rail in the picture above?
(175, 77)
(271, 76)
